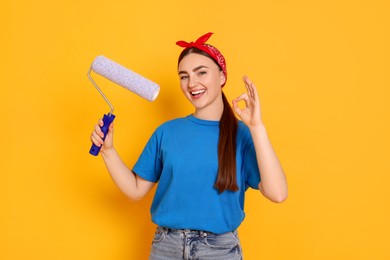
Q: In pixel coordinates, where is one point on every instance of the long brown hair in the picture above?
(226, 179)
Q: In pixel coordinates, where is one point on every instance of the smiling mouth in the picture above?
(197, 92)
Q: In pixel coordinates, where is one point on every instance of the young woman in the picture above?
(203, 163)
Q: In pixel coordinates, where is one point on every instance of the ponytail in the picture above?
(226, 179)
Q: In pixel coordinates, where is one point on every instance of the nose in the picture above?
(192, 82)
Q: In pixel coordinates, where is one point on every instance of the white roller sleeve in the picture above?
(125, 78)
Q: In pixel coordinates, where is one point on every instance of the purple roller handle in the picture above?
(107, 120)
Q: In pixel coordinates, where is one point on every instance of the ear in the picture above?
(222, 79)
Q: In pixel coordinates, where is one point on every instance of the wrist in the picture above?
(259, 128)
(108, 152)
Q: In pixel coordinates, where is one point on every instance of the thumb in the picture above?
(111, 127)
(236, 108)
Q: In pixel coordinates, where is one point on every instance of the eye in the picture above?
(201, 73)
(183, 77)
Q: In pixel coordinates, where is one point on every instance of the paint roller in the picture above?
(124, 77)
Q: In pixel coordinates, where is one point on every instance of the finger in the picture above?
(99, 131)
(236, 108)
(111, 127)
(247, 85)
(245, 97)
(96, 139)
(250, 87)
(255, 94)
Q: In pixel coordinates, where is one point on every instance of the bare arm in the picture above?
(273, 183)
(129, 183)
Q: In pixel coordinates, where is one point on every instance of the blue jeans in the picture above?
(170, 244)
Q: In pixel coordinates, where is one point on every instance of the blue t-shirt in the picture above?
(182, 156)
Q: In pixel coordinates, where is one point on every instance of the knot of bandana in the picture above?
(209, 49)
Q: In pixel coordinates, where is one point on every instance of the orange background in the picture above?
(322, 72)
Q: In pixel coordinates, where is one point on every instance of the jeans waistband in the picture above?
(192, 232)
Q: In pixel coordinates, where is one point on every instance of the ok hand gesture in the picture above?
(251, 113)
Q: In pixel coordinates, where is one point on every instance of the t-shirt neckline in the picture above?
(202, 121)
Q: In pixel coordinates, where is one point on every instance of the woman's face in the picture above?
(201, 81)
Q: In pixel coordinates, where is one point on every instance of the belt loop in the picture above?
(166, 230)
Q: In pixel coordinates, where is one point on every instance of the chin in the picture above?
(198, 104)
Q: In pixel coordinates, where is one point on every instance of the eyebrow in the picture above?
(195, 69)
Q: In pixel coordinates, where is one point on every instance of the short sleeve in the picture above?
(249, 161)
(250, 167)
(149, 165)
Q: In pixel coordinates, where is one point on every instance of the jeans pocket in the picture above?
(159, 235)
(223, 241)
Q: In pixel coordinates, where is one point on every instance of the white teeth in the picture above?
(198, 92)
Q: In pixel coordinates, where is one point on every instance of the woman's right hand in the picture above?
(97, 136)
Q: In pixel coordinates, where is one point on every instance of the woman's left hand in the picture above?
(251, 113)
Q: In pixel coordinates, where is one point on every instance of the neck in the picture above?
(212, 112)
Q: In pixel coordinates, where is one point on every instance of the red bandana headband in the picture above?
(209, 49)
